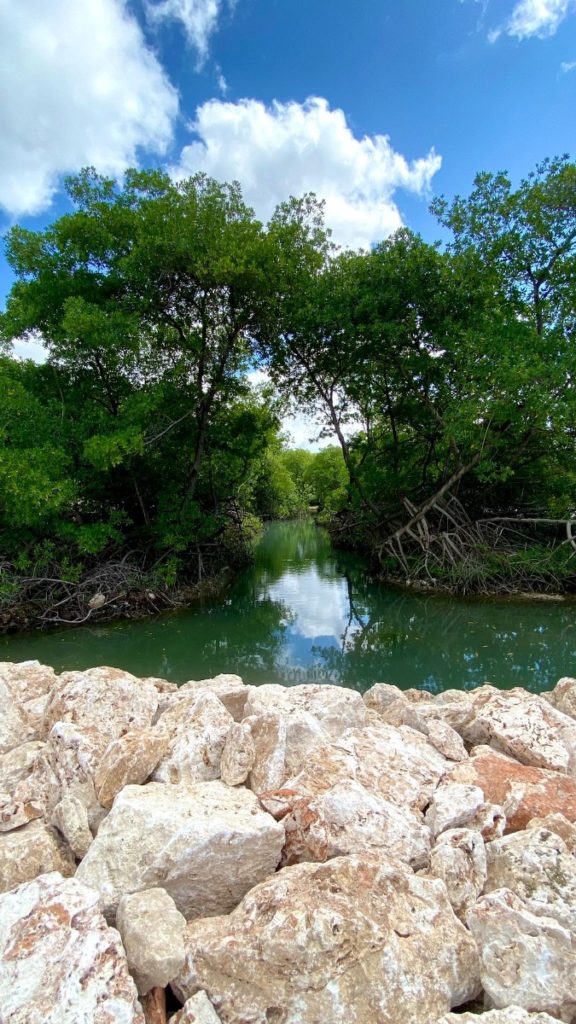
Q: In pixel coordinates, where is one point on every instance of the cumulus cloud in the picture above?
(567, 65)
(81, 87)
(535, 18)
(198, 18)
(292, 148)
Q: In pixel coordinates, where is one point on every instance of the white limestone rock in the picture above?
(230, 689)
(106, 699)
(352, 819)
(459, 860)
(14, 728)
(526, 960)
(206, 844)
(313, 713)
(559, 824)
(197, 1010)
(269, 736)
(511, 1015)
(27, 679)
(70, 817)
(153, 932)
(525, 727)
(59, 961)
(354, 940)
(14, 813)
(453, 806)
(446, 740)
(563, 696)
(30, 851)
(238, 756)
(197, 726)
(537, 867)
(17, 764)
(129, 761)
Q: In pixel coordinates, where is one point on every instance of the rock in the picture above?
(537, 867)
(106, 699)
(563, 696)
(459, 859)
(59, 962)
(129, 760)
(153, 932)
(269, 735)
(398, 764)
(524, 792)
(524, 726)
(380, 696)
(14, 813)
(511, 1015)
(27, 679)
(351, 819)
(560, 825)
(71, 819)
(354, 940)
(14, 729)
(313, 714)
(66, 766)
(34, 713)
(526, 960)
(230, 689)
(16, 764)
(30, 851)
(446, 740)
(197, 1010)
(238, 756)
(197, 727)
(206, 844)
(453, 806)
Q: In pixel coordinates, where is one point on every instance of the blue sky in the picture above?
(375, 105)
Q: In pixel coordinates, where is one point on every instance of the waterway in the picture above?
(303, 612)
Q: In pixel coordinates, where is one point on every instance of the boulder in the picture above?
(59, 961)
(71, 819)
(526, 960)
(563, 696)
(380, 696)
(523, 792)
(313, 713)
(446, 740)
(14, 728)
(459, 860)
(206, 844)
(197, 726)
(537, 867)
(269, 734)
(27, 679)
(30, 851)
(34, 713)
(197, 1010)
(524, 726)
(238, 756)
(354, 940)
(106, 699)
(128, 760)
(16, 764)
(560, 825)
(397, 764)
(351, 819)
(153, 932)
(230, 689)
(453, 806)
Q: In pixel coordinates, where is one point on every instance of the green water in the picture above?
(304, 612)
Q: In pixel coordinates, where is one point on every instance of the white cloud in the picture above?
(198, 18)
(534, 18)
(80, 87)
(567, 66)
(292, 148)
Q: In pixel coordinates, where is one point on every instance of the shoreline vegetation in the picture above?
(307, 850)
(139, 459)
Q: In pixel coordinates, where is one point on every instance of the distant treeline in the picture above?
(135, 459)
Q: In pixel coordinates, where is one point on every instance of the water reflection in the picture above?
(304, 612)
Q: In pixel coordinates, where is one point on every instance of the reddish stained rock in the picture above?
(523, 791)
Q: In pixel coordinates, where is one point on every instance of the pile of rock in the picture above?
(284, 855)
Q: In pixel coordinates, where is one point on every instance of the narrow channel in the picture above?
(304, 612)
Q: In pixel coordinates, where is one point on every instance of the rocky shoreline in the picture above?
(218, 852)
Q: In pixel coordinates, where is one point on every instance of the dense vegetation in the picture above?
(134, 461)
